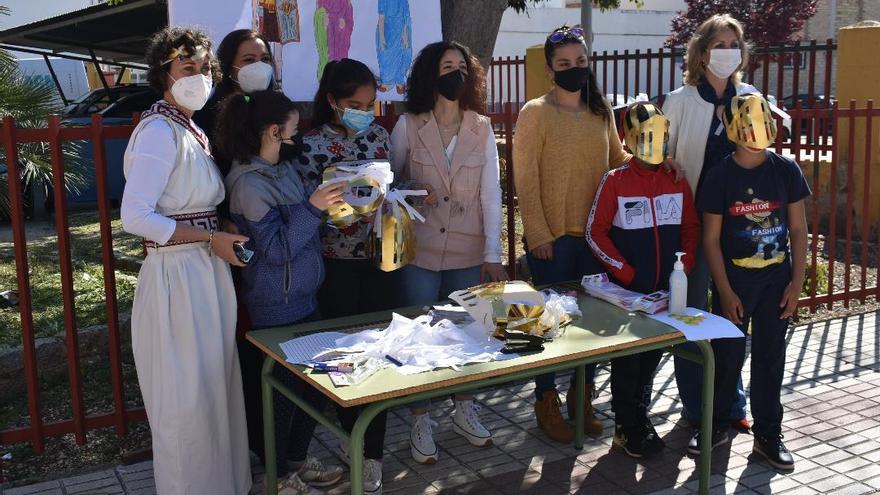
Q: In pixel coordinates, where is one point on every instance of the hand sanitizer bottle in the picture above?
(678, 287)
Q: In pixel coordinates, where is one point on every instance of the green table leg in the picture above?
(356, 445)
(271, 482)
(706, 424)
(580, 378)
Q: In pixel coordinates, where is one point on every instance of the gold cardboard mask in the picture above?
(750, 122)
(517, 306)
(362, 196)
(646, 132)
(396, 246)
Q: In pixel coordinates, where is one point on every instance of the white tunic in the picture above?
(183, 319)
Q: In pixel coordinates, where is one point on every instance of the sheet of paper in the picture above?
(697, 324)
(301, 350)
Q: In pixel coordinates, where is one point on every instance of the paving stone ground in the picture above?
(831, 397)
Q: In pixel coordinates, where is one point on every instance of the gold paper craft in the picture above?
(396, 247)
(346, 214)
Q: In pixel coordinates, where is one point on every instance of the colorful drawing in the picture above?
(690, 320)
(334, 23)
(393, 44)
(266, 20)
(289, 21)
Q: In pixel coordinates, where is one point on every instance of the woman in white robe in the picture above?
(183, 318)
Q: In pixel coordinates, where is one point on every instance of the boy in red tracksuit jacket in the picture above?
(641, 216)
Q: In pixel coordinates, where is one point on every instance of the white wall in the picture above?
(621, 29)
(627, 28)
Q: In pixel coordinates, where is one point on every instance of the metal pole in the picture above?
(271, 484)
(100, 74)
(706, 425)
(587, 24)
(55, 79)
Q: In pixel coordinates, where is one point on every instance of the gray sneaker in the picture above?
(293, 485)
(315, 472)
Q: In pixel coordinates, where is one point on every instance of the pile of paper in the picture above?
(600, 287)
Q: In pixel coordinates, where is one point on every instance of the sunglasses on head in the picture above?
(567, 33)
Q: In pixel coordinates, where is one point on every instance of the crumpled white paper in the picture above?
(420, 346)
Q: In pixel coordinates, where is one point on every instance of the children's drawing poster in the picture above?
(307, 34)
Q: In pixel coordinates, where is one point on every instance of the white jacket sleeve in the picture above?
(152, 160)
(490, 200)
(399, 148)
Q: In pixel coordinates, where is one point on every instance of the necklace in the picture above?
(440, 134)
(560, 109)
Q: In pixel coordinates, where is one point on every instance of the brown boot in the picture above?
(592, 426)
(550, 418)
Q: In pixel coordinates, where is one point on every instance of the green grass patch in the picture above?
(45, 278)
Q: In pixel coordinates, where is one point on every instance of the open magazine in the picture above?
(601, 287)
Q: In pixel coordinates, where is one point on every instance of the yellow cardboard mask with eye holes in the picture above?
(749, 121)
(646, 132)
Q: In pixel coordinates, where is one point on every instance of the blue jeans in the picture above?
(572, 259)
(420, 286)
(688, 374)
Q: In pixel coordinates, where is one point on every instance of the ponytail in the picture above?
(243, 118)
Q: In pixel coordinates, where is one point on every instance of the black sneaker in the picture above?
(653, 443)
(719, 437)
(631, 440)
(772, 449)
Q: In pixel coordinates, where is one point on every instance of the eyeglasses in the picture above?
(566, 32)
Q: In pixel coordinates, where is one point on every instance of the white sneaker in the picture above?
(466, 423)
(315, 473)
(293, 485)
(372, 477)
(421, 439)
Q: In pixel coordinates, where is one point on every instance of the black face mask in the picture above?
(451, 85)
(573, 80)
(291, 151)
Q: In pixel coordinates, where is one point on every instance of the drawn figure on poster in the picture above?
(289, 21)
(394, 44)
(334, 23)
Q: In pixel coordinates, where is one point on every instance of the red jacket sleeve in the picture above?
(690, 228)
(599, 225)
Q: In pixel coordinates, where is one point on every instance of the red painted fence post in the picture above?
(24, 286)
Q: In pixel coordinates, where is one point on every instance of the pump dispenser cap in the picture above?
(679, 265)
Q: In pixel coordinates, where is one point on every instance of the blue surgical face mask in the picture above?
(356, 120)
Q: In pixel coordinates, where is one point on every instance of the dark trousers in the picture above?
(572, 259)
(293, 427)
(353, 287)
(761, 308)
(631, 380)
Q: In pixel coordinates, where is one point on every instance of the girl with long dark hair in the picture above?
(268, 203)
(565, 142)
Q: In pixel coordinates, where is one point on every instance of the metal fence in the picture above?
(839, 242)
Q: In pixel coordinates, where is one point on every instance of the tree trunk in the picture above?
(474, 24)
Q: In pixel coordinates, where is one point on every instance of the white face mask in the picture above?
(724, 61)
(255, 77)
(191, 92)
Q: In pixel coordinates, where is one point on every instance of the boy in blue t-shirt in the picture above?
(753, 208)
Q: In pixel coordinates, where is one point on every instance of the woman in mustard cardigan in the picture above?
(444, 145)
(565, 142)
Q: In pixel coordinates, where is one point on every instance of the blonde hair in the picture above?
(695, 71)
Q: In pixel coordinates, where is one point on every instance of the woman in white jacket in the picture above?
(715, 55)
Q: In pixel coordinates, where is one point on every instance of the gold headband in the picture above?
(181, 53)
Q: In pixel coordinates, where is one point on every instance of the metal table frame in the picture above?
(355, 441)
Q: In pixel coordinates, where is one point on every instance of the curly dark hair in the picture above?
(242, 119)
(421, 83)
(168, 39)
(226, 52)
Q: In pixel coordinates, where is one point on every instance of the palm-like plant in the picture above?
(30, 101)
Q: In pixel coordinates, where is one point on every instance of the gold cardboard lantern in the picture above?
(749, 121)
(646, 132)
(392, 242)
